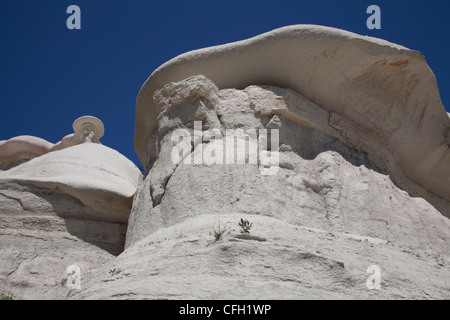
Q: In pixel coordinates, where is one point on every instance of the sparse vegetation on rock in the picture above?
(245, 226)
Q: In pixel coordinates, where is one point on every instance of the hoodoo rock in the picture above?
(334, 147)
(385, 89)
(23, 148)
(304, 163)
(63, 208)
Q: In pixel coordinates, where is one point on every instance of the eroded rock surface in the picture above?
(384, 90)
(20, 149)
(67, 207)
(362, 180)
(336, 205)
(346, 168)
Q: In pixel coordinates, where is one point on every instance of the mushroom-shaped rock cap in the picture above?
(84, 126)
(383, 87)
(98, 176)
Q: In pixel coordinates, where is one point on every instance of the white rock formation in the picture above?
(361, 179)
(66, 207)
(326, 216)
(386, 90)
(23, 148)
(295, 262)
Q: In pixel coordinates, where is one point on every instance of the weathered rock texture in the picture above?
(363, 141)
(67, 207)
(362, 179)
(295, 262)
(329, 213)
(23, 148)
(367, 85)
(314, 145)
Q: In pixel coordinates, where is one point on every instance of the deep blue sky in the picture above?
(50, 75)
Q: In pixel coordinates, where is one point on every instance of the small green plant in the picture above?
(219, 231)
(245, 226)
(112, 271)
